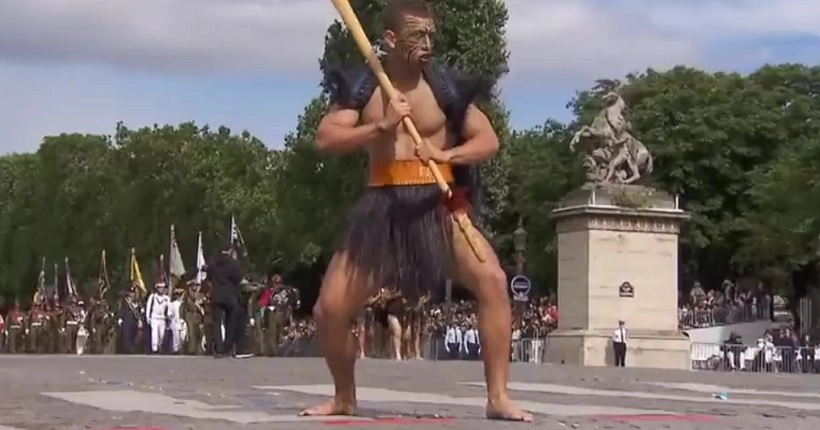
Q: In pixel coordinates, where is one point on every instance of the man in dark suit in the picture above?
(225, 275)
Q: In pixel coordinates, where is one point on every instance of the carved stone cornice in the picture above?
(587, 217)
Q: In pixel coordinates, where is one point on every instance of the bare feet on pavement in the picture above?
(506, 411)
(330, 408)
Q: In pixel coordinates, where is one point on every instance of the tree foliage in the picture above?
(741, 150)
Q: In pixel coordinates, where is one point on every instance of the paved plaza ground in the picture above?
(201, 393)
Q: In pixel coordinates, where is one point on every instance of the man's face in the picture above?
(414, 40)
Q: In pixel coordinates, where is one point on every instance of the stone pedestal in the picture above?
(618, 260)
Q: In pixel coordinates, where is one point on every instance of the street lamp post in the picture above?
(520, 245)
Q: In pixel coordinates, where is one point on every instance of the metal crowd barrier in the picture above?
(522, 351)
(760, 358)
(724, 315)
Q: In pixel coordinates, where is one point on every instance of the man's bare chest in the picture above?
(425, 111)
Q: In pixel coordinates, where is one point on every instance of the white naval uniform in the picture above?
(156, 312)
(175, 318)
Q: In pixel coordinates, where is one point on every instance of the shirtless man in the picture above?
(398, 232)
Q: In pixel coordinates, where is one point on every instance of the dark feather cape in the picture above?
(352, 88)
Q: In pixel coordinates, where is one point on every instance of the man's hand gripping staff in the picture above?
(454, 201)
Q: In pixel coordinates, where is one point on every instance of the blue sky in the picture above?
(83, 65)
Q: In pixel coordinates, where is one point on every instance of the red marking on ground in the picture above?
(135, 428)
(658, 417)
(396, 421)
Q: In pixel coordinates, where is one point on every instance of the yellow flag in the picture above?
(136, 276)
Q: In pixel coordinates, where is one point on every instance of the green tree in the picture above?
(707, 132)
(19, 174)
(80, 194)
(541, 171)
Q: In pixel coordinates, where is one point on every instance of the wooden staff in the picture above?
(355, 28)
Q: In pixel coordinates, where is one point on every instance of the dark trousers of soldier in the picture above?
(230, 314)
(276, 327)
(15, 339)
(193, 345)
(69, 339)
(128, 338)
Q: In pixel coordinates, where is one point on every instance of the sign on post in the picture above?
(520, 286)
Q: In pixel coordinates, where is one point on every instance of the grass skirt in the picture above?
(400, 237)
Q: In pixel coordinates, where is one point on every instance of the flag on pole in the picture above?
(161, 280)
(70, 287)
(40, 293)
(176, 268)
(56, 295)
(236, 237)
(200, 262)
(136, 276)
(102, 279)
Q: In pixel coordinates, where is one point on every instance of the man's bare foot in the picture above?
(330, 408)
(505, 410)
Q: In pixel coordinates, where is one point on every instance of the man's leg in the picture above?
(488, 282)
(232, 327)
(218, 314)
(395, 336)
(341, 298)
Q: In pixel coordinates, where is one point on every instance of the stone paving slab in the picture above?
(169, 393)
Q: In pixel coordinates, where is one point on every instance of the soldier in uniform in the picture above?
(278, 313)
(16, 326)
(192, 313)
(55, 326)
(71, 325)
(207, 320)
(108, 323)
(36, 332)
(129, 321)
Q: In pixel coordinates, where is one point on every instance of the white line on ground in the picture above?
(577, 391)
(384, 395)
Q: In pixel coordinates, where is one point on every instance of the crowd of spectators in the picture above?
(532, 320)
(730, 304)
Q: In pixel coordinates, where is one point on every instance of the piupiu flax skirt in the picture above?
(400, 237)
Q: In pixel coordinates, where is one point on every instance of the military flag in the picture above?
(136, 276)
(236, 237)
(200, 262)
(161, 280)
(70, 286)
(56, 296)
(40, 292)
(102, 280)
(176, 268)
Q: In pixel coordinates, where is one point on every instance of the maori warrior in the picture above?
(408, 231)
(612, 155)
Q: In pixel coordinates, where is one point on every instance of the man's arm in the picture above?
(339, 131)
(480, 140)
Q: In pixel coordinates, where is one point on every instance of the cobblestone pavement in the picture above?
(169, 393)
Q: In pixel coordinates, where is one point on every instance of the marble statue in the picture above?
(611, 154)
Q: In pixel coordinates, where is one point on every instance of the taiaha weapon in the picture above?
(355, 28)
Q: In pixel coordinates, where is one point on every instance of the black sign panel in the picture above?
(626, 290)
